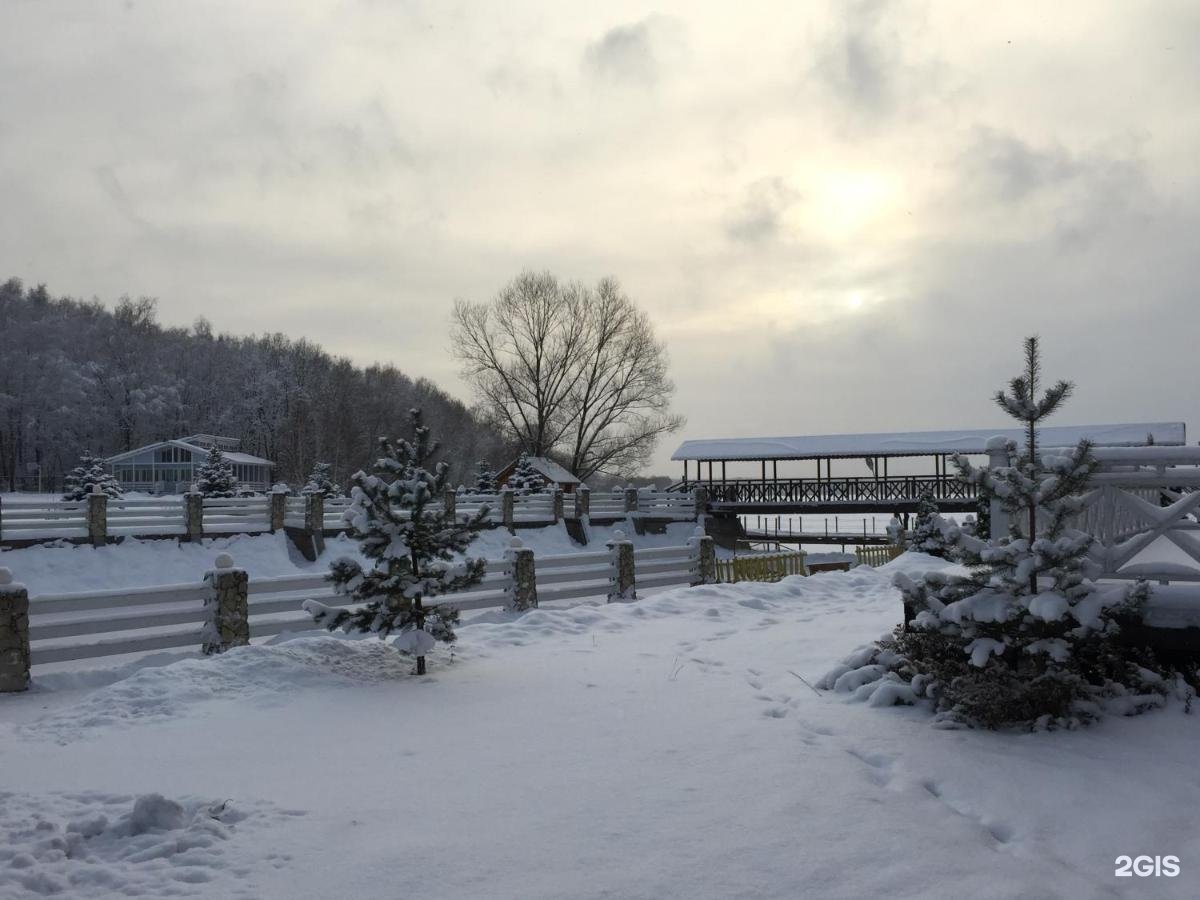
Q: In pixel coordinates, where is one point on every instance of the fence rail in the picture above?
(877, 556)
(73, 626)
(764, 567)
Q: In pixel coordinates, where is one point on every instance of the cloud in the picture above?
(858, 62)
(758, 218)
(634, 54)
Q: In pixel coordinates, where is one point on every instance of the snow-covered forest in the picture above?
(80, 376)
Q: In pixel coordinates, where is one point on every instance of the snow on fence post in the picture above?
(450, 502)
(314, 513)
(193, 514)
(703, 557)
(631, 500)
(700, 501)
(583, 502)
(14, 635)
(621, 577)
(506, 508)
(97, 517)
(997, 449)
(279, 495)
(558, 505)
(522, 587)
(226, 609)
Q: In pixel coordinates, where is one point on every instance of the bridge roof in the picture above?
(923, 443)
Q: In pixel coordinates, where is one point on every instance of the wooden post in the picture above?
(14, 635)
(631, 500)
(279, 497)
(1, 518)
(703, 558)
(997, 449)
(226, 609)
(193, 516)
(700, 500)
(583, 502)
(507, 518)
(97, 518)
(450, 502)
(314, 513)
(522, 589)
(558, 505)
(621, 579)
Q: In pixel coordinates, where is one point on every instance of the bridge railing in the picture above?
(857, 489)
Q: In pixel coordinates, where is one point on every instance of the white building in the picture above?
(170, 467)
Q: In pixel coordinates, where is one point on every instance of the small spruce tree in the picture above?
(90, 476)
(525, 479)
(928, 531)
(320, 481)
(485, 478)
(216, 478)
(401, 525)
(1027, 638)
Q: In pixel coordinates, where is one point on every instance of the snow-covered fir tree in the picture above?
(398, 518)
(90, 476)
(1027, 638)
(320, 481)
(216, 478)
(525, 479)
(485, 478)
(927, 534)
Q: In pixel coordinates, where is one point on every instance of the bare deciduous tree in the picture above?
(568, 371)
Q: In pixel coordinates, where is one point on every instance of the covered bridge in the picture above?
(757, 486)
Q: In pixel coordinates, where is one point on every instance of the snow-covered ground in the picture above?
(664, 748)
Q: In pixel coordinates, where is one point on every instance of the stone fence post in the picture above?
(314, 513)
(279, 495)
(631, 500)
(621, 579)
(522, 589)
(450, 502)
(507, 517)
(583, 502)
(97, 518)
(14, 635)
(704, 557)
(998, 458)
(226, 608)
(558, 505)
(193, 516)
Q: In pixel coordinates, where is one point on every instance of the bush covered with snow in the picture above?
(89, 477)
(1027, 637)
(929, 531)
(414, 547)
(216, 478)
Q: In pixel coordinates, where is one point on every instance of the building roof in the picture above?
(923, 443)
(232, 456)
(547, 468)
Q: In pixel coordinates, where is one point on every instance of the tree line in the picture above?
(76, 376)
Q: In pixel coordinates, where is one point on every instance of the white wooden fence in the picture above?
(96, 624)
(35, 520)
(1143, 509)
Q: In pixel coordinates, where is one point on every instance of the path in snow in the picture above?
(661, 748)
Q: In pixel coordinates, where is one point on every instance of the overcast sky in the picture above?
(841, 217)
